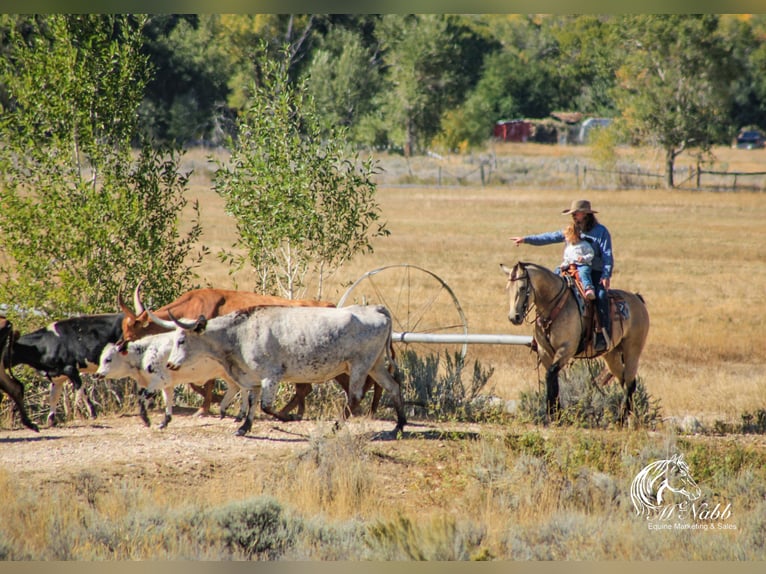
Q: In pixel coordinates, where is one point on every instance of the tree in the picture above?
(186, 97)
(343, 78)
(674, 84)
(83, 213)
(300, 202)
(421, 59)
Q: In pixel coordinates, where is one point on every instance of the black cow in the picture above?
(8, 382)
(66, 348)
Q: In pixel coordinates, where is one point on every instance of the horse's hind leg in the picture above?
(624, 371)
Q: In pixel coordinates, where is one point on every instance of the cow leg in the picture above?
(253, 396)
(302, 390)
(143, 400)
(15, 390)
(377, 392)
(231, 391)
(167, 395)
(381, 375)
(343, 381)
(80, 395)
(57, 387)
(269, 388)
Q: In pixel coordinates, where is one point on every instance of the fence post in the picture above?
(439, 176)
(481, 169)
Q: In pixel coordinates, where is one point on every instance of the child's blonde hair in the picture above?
(572, 233)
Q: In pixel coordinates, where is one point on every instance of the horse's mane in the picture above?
(539, 267)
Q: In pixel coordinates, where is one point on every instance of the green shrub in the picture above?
(257, 528)
(444, 395)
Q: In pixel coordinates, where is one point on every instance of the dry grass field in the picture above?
(505, 489)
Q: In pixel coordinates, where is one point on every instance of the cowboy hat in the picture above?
(582, 205)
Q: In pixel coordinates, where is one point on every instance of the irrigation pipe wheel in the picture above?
(419, 302)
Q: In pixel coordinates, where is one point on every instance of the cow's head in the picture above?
(134, 324)
(183, 329)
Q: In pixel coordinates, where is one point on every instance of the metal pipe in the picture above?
(459, 338)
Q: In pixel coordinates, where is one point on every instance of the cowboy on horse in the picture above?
(595, 233)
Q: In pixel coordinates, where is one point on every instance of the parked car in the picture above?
(592, 124)
(750, 139)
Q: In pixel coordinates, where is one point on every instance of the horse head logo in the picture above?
(663, 484)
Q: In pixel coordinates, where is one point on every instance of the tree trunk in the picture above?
(670, 158)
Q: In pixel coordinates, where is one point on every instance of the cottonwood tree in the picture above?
(674, 85)
(302, 204)
(83, 212)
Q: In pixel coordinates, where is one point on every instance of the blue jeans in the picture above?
(584, 271)
(602, 303)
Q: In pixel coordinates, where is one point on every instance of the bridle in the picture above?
(527, 288)
(558, 301)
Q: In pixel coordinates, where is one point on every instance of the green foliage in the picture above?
(424, 75)
(343, 78)
(444, 395)
(674, 83)
(302, 203)
(83, 213)
(587, 405)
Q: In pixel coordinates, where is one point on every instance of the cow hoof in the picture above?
(202, 413)
(31, 426)
(51, 420)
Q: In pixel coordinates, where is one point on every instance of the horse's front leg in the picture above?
(560, 358)
(552, 390)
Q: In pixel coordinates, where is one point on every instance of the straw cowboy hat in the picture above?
(582, 205)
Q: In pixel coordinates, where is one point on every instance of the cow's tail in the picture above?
(393, 367)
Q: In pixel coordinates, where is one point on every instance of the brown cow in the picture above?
(213, 303)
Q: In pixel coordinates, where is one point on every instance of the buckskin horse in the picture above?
(560, 328)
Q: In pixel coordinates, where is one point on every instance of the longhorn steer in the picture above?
(144, 360)
(262, 346)
(212, 303)
(8, 382)
(65, 349)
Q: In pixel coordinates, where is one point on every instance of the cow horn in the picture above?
(197, 326)
(137, 299)
(164, 323)
(121, 304)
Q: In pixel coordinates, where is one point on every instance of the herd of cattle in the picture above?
(252, 342)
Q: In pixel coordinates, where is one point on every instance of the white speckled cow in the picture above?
(261, 346)
(145, 361)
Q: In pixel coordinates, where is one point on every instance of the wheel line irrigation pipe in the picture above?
(461, 338)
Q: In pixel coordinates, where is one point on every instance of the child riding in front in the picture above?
(579, 253)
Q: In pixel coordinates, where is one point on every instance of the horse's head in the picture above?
(678, 480)
(518, 287)
(663, 483)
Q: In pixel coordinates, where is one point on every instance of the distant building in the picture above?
(513, 130)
